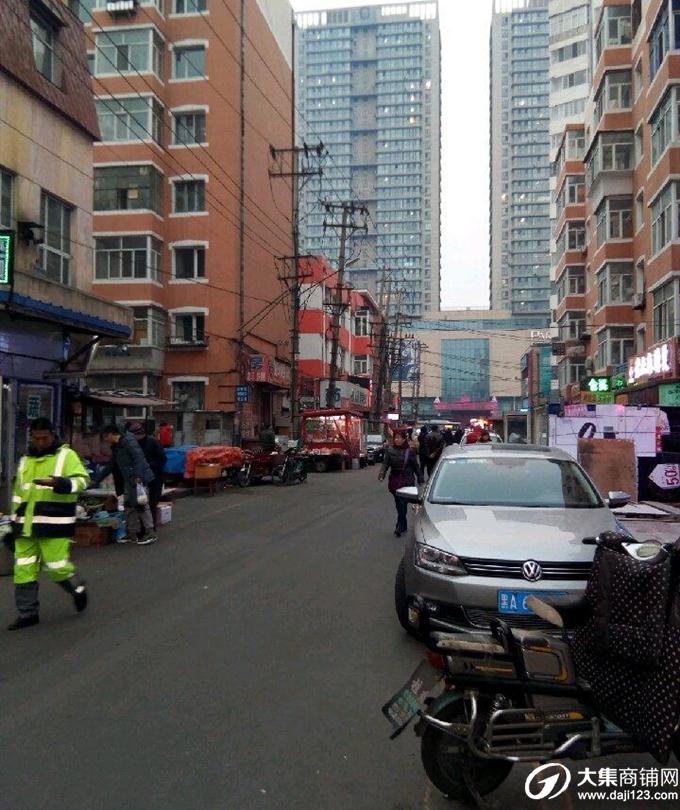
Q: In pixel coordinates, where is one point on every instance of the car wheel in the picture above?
(450, 766)
(400, 601)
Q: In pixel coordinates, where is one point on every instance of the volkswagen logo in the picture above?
(531, 571)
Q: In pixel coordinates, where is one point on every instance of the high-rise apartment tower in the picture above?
(369, 88)
(519, 159)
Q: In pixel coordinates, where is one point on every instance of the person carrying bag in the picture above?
(404, 470)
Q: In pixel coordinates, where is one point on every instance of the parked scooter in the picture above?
(488, 701)
(293, 468)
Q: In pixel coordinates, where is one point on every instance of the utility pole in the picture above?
(299, 175)
(347, 227)
(400, 343)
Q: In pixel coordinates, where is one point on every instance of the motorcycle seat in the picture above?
(466, 643)
(561, 611)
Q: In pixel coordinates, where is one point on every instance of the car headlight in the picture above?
(433, 559)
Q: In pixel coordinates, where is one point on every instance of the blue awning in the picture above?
(78, 321)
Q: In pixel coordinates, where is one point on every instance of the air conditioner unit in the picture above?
(639, 301)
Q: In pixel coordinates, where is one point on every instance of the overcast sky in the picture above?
(465, 146)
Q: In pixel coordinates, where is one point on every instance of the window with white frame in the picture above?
(576, 236)
(188, 61)
(575, 190)
(663, 229)
(189, 196)
(575, 144)
(362, 326)
(613, 151)
(615, 29)
(665, 298)
(571, 325)
(361, 366)
(571, 282)
(188, 329)
(189, 262)
(149, 327)
(637, 79)
(661, 125)
(614, 219)
(615, 345)
(189, 395)
(615, 284)
(134, 50)
(569, 372)
(189, 127)
(189, 6)
(6, 183)
(614, 93)
(127, 258)
(55, 251)
(639, 211)
(46, 48)
(130, 119)
(128, 188)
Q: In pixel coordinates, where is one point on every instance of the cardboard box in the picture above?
(90, 534)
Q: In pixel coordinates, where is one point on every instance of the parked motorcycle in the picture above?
(292, 469)
(486, 702)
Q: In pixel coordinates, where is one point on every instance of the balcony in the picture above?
(127, 358)
(185, 343)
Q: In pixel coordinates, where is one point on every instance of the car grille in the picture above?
(512, 569)
(479, 617)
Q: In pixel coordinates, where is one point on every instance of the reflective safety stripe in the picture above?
(16, 499)
(26, 560)
(42, 520)
(61, 461)
(55, 566)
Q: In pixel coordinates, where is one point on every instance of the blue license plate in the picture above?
(515, 601)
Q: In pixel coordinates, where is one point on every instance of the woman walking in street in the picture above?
(402, 462)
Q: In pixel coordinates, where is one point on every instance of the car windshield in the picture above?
(374, 438)
(530, 482)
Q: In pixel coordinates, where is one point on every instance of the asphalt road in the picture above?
(241, 662)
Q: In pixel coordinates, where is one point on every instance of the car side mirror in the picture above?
(410, 494)
(617, 499)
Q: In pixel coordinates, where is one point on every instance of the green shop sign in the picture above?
(669, 394)
(599, 385)
(6, 257)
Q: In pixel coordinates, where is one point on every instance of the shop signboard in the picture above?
(666, 476)
(669, 395)
(265, 369)
(242, 393)
(6, 256)
(606, 422)
(656, 364)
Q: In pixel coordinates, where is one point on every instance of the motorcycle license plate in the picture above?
(515, 601)
(402, 707)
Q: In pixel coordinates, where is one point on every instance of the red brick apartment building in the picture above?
(175, 237)
(617, 271)
(360, 328)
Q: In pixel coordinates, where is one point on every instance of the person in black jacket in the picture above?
(129, 468)
(402, 463)
(156, 458)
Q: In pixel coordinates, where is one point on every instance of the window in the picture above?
(662, 127)
(189, 196)
(615, 345)
(639, 211)
(188, 62)
(637, 79)
(137, 50)
(575, 190)
(361, 323)
(83, 9)
(127, 188)
(130, 119)
(659, 42)
(361, 365)
(615, 30)
(189, 127)
(572, 282)
(189, 262)
(615, 284)
(6, 180)
(149, 327)
(45, 47)
(189, 395)
(613, 151)
(571, 325)
(56, 249)
(131, 258)
(662, 218)
(190, 6)
(614, 219)
(639, 143)
(188, 329)
(664, 311)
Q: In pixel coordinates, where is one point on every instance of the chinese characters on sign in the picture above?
(6, 256)
(242, 393)
(657, 362)
(599, 385)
